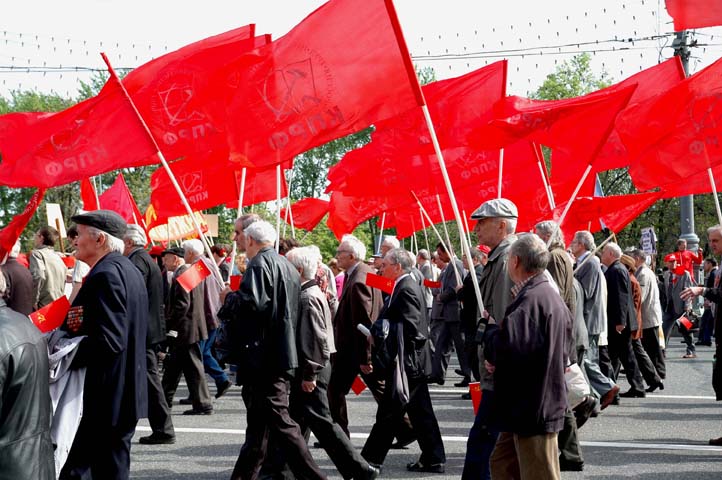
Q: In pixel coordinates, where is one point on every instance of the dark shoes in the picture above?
(401, 443)
(654, 387)
(371, 472)
(437, 380)
(223, 389)
(567, 466)
(185, 401)
(430, 468)
(631, 393)
(584, 410)
(466, 396)
(717, 442)
(463, 383)
(204, 411)
(157, 439)
(609, 397)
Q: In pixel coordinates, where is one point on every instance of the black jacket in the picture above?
(26, 449)
(470, 315)
(620, 306)
(154, 286)
(184, 312)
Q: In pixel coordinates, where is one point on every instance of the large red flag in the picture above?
(119, 199)
(675, 135)
(306, 212)
(338, 71)
(12, 231)
(88, 195)
(689, 14)
(95, 136)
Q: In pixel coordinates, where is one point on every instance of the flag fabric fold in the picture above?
(88, 195)
(51, 316)
(690, 14)
(119, 199)
(193, 275)
(12, 231)
(306, 212)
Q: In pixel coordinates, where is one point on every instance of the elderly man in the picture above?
(111, 309)
(265, 308)
(423, 263)
(47, 268)
(528, 353)
(19, 294)
(588, 272)
(651, 315)
(26, 449)
(400, 357)
(159, 414)
(212, 286)
(714, 294)
(495, 226)
(620, 312)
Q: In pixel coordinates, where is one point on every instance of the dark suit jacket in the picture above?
(447, 295)
(184, 312)
(115, 307)
(19, 295)
(620, 306)
(359, 303)
(470, 315)
(154, 286)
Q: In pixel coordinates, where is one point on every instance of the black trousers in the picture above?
(99, 452)
(620, 350)
(159, 415)
(646, 367)
(444, 334)
(343, 373)
(421, 414)
(186, 360)
(266, 402)
(568, 441)
(650, 342)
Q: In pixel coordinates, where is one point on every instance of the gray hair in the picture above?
(476, 254)
(586, 239)
(401, 257)
(551, 228)
(261, 232)
(614, 248)
(715, 228)
(423, 253)
(510, 224)
(637, 254)
(193, 246)
(306, 260)
(136, 235)
(3, 284)
(532, 253)
(391, 241)
(114, 244)
(247, 219)
(355, 245)
(15, 251)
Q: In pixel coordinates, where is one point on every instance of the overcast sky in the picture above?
(533, 35)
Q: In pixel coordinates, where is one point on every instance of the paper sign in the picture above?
(212, 222)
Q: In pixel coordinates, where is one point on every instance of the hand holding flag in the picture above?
(51, 316)
(193, 276)
(382, 283)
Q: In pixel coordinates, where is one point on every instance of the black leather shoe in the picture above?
(566, 466)
(371, 472)
(631, 393)
(584, 410)
(223, 389)
(466, 396)
(157, 439)
(654, 387)
(437, 380)
(459, 372)
(185, 401)
(430, 468)
(463, 383)
(204, 411)
(716, 441)
(402, 443)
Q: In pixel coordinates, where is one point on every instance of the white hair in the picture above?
(716, 228)
(261, 231)
(355, 245)
(391, 241)
(306, 260)
(614, 248)
(193, 246)
(3, 285)
(114, 244)
(136, 235)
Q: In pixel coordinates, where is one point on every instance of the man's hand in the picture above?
(619, 328)
(366, 369)
(489, 367)
(308, 386)
(489, 319)
(690, 292)
(223, 294)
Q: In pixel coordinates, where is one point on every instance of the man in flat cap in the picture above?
(495, 227)
(110, 309)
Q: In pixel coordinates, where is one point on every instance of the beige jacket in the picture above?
(49, 272)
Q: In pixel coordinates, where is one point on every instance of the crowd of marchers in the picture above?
(555, 327)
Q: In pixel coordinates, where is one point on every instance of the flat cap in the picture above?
(177, 251)
(104, 220)
(496, 208)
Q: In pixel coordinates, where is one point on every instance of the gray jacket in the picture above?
(428, 274)
(446, 303)
(651, 307)
(590, 276)
(314, 331)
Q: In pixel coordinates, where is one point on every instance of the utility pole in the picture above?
(686, 203)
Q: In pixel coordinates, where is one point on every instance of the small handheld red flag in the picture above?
(684, 322)
(193, 276)
(358, 385)
(69, 261)
(236, 282)
(431, 284)
(382, 283)
(475, 391)
(51, 316)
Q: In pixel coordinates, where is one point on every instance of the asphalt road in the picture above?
(663, 436)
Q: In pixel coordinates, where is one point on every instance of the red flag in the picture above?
(51, 316)
(475, 391)
(306, 212)
(358, 385)
(235, 283)
(95, 136)
(88, 195)
(690, 14)
(194, 275)
(675, 135)
(119, 199)
(69, 261)
(12, 231)
(382, 283)
(684, 321)
(431, 284)
(338, 71)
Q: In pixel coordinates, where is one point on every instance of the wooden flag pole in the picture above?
(446, 230)
(241, 191)
(714, 192)
(501, 172)
(95, 191)
(599, 247)
(574, 195)
(381, 232)
(446, 246)
(426, 234)
(163, 161)
(466, 225)
(278, 204)
(542, 172)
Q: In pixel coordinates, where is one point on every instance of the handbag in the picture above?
(577, 386)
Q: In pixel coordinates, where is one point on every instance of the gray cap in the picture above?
(496, 208)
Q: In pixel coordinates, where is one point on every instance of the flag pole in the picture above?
(162, 159)
(278, 203)
(714, 192)
(466, 224)
(441, 240)
(443, 222)
(599, 247)
(381, 232)
(95, 192)
(241, 192)
(574, 195)
(542, 171)
(501, 173)
(426, 234)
